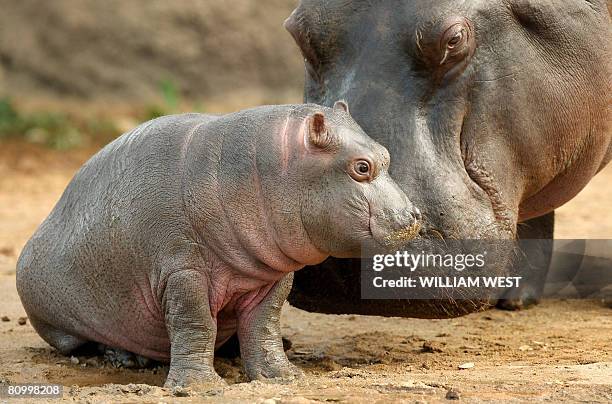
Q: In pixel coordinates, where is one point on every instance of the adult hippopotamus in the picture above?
(495, 112)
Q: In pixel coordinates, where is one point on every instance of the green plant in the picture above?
(52, 129)
(170, 94)
(9, 118)
(170, 101)
(170, 104)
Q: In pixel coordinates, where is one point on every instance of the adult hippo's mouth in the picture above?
(505, 219)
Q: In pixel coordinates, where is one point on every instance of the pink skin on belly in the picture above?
(231, 297)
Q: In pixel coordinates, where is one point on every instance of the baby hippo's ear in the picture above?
(342, 105)
(318, 134)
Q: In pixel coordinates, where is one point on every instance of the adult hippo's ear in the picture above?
(319, 135)
(342, 105)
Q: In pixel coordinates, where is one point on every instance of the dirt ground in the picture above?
(560, 350)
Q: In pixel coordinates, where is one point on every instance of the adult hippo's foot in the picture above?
(534, 256)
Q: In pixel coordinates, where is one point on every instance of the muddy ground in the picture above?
(560, 350)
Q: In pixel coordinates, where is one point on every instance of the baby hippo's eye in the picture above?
(363, 167)
(361, 170)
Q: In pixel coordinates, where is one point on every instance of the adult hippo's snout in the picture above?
(494, 113)
(435, 178)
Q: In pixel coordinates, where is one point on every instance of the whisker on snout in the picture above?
(406, 234)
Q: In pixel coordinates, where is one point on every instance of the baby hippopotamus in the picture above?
(187, 230)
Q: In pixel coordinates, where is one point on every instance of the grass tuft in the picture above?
(52, 129)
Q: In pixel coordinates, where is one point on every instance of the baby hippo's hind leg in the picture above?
(60, 340)
(259, 333)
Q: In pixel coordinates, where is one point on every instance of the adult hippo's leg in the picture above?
(533, 260)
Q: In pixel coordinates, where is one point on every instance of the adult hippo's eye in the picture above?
(361, 170)
(454, 42)
(445, 48)
(456, 39)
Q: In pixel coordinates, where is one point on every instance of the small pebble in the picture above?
(5, 318)
(329, 364)
(93, 362)
(452, 394)
(467, 365)
(22, 320)
(432, 347)
(218, 391)
(179, 391)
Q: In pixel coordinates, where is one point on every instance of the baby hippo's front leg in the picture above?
(259, 333)
(192, 331)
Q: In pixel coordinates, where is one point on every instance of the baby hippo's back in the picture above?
(95, 256)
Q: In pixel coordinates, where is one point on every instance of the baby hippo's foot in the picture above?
(269, 365)
(198, 379)
(125, 359)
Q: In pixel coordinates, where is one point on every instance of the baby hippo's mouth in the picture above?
(399, 237)
(391, 229)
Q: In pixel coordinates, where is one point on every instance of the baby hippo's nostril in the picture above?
(404, 218)
(402, 225)
(394, 220)
(408, 217)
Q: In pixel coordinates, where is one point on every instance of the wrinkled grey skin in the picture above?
(495, 113)
(188, 229)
